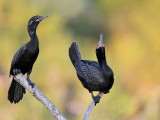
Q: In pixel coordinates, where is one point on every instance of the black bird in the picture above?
(95, 76)
(24, 59)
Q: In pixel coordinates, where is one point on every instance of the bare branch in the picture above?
(40, 96)
(90, 107)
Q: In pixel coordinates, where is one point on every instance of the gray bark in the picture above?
(39, 96)
(90, 107)
(46, 102)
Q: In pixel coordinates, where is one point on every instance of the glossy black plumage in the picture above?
(24, 59)
(95, 76)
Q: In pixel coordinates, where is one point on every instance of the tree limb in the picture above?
(90, 107)
(39, 96)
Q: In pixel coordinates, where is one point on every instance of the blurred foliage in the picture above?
(131, 35)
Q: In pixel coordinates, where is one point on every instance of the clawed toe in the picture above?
(16, 71)
(31, 83)
(97, 99)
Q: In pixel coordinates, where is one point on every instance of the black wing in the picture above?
(18, 57)
(90, 72)
(92, 63)
(86, 70)
(74, 53)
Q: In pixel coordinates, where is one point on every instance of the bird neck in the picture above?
(32, 33)
(32, 29)
(102, 61)
(34, 41)
(105, 68)
(100, 53)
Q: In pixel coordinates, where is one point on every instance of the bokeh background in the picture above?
(131, 32)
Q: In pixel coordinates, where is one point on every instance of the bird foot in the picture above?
(30, 82)
(96, 99)
(16, 71)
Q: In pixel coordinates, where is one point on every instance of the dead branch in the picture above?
(39, 96)
(90, 107)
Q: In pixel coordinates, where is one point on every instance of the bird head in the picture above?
(100, 43)
(33, 23)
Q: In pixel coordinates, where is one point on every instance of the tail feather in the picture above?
(16, 91)
(74, 53)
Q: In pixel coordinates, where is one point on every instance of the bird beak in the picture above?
(42, 17)
(100, 43)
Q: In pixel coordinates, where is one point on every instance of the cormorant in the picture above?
(95, 76)
(24, 59)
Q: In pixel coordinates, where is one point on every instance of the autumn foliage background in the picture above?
(131, 32)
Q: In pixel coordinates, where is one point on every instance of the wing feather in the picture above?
(18, 57)
(90, 72)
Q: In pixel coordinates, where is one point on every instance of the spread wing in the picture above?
(18, 57)
(90, 72)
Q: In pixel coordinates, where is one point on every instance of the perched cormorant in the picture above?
(24, 59)
(95, 76)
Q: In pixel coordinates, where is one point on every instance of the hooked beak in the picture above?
(42, 17)
(100, 43)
